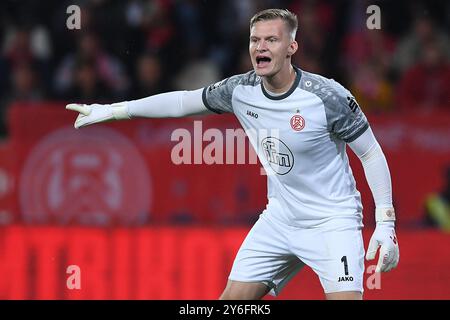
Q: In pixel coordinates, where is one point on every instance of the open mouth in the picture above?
(262, 61)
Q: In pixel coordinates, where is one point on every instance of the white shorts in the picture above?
(272, 253)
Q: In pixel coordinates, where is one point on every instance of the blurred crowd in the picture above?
(132, 49)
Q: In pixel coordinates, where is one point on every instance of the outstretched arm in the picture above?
(378, 177)
(165, 105)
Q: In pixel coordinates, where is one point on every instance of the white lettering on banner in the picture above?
(190, 146)
(74, 280)
(374, 280)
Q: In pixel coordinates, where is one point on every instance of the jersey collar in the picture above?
(289, 92)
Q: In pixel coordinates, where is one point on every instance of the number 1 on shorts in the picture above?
(344, 260)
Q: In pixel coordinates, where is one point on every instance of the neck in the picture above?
(281, 81)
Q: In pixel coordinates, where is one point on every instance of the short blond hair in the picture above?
(272, 14)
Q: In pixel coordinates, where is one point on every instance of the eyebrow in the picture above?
(268, 37)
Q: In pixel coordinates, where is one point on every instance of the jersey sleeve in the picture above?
(344, 116)
(217, 97)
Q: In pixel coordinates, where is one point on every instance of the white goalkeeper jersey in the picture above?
(300, 138)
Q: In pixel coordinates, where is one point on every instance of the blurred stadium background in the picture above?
(108, 198)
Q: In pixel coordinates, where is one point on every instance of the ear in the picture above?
(293, 46)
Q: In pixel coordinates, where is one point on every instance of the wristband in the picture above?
(384, 214)
(120, 110)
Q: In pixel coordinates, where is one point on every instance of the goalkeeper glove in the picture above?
(95, 113)
(385, 237)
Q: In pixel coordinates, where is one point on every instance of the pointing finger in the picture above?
(81, 108)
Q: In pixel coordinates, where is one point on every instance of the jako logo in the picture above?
(347, 278)
(252, 114)
(353, 105)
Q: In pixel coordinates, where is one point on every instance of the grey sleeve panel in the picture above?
(217, 97)
(345, 118)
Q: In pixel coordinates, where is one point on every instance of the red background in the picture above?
(153, 259)
(184, 263)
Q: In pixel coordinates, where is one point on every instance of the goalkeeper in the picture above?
(314, 213)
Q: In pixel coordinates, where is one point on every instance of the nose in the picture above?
(261, 47)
